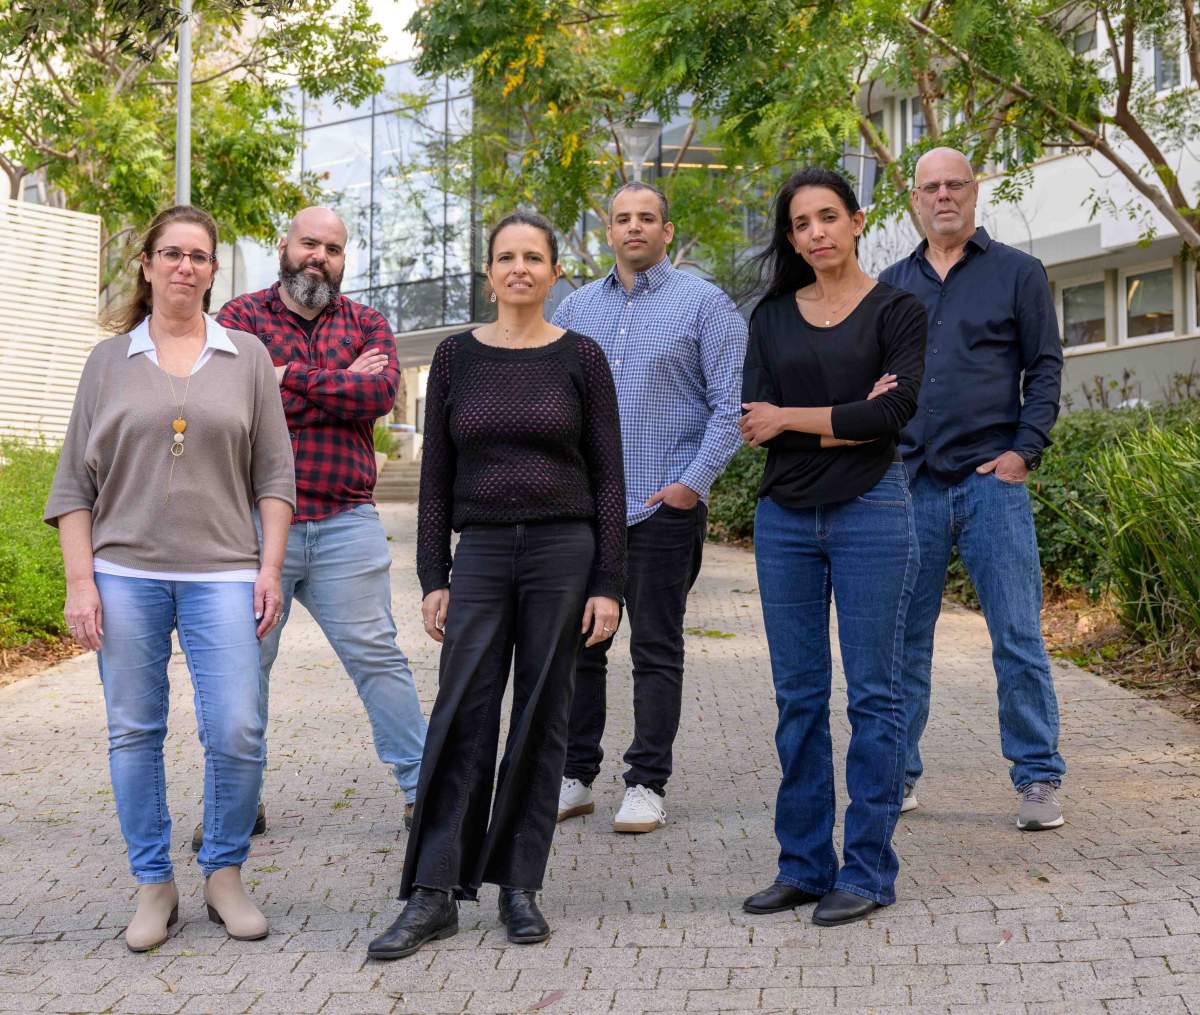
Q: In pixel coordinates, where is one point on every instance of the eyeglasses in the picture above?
(954, 186)
(173, 255)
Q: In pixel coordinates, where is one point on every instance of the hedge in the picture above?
(32, 584)
(1068, 507)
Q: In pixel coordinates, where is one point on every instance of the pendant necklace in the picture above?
(834, 312)
(178, 425)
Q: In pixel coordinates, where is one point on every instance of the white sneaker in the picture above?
(641, 811)
(574, 799)
(910, 799)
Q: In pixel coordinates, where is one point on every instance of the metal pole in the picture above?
(183, 109)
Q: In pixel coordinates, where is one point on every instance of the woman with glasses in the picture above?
(834, 519)
(177, 437)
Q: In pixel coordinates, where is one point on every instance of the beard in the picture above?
(311, 291)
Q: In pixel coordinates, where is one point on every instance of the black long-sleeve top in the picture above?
(993, 365)
(521, 435)
(794, 364)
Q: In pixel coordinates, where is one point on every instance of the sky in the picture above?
(392, 16)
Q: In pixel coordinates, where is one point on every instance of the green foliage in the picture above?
(1067, 505)
(734, 495)
(1071, 495)
(32, 585)
(384, 441)
(87, 96)
(1149, 481)
(773, 84)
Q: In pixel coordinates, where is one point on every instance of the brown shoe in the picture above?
(408, 816)
(157, 913)
(260, 826)
(230, 906)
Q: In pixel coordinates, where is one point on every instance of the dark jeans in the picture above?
(864, 552)
(516, 601)
(991, 523)
(664, 554)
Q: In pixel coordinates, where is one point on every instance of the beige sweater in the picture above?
(116, 460)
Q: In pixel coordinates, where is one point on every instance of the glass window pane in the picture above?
(1083, 314)
(1150, 303)
(1166, 68)
(326, 110)
(401, 85)
(340, 157)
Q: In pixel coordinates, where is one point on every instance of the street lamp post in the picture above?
(637, 142)
(183, 108)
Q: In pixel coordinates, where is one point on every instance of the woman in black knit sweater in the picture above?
(522, 455)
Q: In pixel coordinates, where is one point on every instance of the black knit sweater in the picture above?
(521, 435)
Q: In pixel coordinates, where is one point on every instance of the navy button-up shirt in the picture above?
(993, 359)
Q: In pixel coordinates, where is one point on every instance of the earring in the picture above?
(492, 298)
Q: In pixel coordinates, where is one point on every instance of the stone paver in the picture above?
(1100, 916)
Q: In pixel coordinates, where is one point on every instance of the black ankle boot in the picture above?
(520, 914)
(837, 908)
(777, 898)
(430, 915)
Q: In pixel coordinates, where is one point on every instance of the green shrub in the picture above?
(1149, 481)
(384, 441)
(734, 496)
(32, 586)
(1066, 506)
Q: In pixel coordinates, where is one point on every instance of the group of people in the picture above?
(218, 468)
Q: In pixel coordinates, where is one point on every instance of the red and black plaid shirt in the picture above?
(331, 412)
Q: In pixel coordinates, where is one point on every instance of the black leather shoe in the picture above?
(837, 908)
(429, 915)
(520, 914)
(260, 826)
(777, 898)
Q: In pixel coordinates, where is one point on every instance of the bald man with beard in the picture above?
(335, 360)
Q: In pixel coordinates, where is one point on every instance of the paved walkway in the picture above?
(1100, 916)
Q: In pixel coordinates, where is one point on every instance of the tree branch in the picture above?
(687, 142)
(1129, 123)
(69, 99)
(1114, 52)
(887, 162)
(1179, 217)
(15, 175)
(1191, 37)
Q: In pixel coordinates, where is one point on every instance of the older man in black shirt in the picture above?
(993, 365)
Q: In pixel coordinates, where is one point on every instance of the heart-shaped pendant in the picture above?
(179, 425)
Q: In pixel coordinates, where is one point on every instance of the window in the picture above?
(1083, 314)
(860, 164)
(1150, 303)
(1084, 40)
(1167, 68)
(912, 115)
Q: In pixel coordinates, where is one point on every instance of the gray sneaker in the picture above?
(1039, 808)
(910, 802)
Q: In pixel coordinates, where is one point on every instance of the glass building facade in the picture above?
(410, 252)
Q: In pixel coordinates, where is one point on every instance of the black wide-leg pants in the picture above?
(516, 601)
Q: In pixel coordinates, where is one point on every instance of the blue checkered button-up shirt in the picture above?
(675, 345)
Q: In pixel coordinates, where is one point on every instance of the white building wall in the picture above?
(49, 275)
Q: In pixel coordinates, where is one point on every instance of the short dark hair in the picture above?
(787, 270)
(638, 185)
(524, 218)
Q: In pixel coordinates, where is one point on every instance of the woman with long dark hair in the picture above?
(522, 455)
(177, 437)
(834, 517)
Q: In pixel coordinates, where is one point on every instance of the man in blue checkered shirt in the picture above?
(675, 344)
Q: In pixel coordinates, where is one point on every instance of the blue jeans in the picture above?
(216, 625)
(339, 570)
(991, 524)
(864, 551)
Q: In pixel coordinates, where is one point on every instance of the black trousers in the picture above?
(516, 601)
(664, 555)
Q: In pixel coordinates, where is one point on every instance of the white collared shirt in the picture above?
(216, 339)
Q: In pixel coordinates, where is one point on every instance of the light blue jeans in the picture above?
(990, 522)
(216, 625)
(339, 570)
